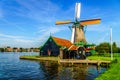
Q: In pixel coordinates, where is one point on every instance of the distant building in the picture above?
(61, 47)
(9, 49)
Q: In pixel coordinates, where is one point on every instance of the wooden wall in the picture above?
(50, 47)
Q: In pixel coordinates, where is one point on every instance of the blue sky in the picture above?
(28, 23)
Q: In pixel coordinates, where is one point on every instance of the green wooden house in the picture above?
(53, 46)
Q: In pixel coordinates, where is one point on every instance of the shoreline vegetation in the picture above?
(16, 49)
(104, 57)
(53, 58)
(111, 73)
(45, 58)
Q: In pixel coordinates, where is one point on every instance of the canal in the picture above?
(12, 68)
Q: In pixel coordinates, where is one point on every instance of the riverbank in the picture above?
(89, 60)
(112, 73)
(45, 58)
(52, 58)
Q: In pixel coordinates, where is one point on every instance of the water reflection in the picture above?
(50, 70)
(73, 73)
(53, 71)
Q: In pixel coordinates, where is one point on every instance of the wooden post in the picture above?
(98, 63)
(61, 53)
(87, 62)
(111, 43)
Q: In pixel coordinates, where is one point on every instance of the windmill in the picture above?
(78, 26)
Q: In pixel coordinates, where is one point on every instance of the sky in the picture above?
(29, 23)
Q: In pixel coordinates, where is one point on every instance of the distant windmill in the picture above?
(78, 26)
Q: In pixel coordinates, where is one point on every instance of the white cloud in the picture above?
(98, 28)
(43, 11)
(10, 36)
(13, 24)
(20, 41)
(24, 40)
(47, 12)
(45, 32)
(40, 10)
(48, 30)
(103, 37)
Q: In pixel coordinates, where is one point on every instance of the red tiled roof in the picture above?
(65, 43)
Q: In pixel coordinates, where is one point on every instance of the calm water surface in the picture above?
(12, 68)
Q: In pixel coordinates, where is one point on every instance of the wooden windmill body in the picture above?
(78, 34)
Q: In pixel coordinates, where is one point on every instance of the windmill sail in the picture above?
(89, 22)
(77, 10)
(63, 22)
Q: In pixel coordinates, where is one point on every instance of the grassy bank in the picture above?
(52, 58)
(101, 58)
(46, 58)
(112, 73)
(104, 57)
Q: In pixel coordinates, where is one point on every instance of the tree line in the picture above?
(105, 47)
(15, 49)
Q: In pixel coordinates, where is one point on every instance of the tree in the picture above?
(14, 49)
(118, 50)
(21, 49)
(115, 48)
(103, 47)
(2, 50)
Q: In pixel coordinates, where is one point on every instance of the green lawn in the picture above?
(99, 58)
(105, 57)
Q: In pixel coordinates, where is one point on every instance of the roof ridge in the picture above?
(70, 47)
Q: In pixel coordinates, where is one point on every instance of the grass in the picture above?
(47, 58)
(52, 58)
(112, 73)
(28, 57)
(104, 57)
(99, 58)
